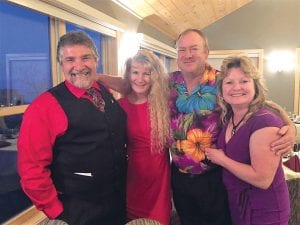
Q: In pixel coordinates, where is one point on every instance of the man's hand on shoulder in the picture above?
(284, 145)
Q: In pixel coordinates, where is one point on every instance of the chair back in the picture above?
(143, 221)
(52, 222)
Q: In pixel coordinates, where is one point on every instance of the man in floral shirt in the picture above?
(198, 191)
(194, 121)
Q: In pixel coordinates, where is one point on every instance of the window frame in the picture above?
(257, 54)
(297, 83)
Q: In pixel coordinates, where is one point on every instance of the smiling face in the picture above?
(237, 88)
(79, 65)
(140, 79)
(192, 53)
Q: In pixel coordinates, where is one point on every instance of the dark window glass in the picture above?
(157, 54)
(168, 64)
(24, 54)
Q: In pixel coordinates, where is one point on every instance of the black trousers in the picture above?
(110, 210)
(200, 199)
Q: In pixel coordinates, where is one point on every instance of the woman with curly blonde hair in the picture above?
(145, 89)
(156, 95)
(252, 173)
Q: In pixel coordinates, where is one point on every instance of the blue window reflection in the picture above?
(24, 54)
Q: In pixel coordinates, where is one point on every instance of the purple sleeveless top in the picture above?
(249, 204)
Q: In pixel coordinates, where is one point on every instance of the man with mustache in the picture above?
(71, 151)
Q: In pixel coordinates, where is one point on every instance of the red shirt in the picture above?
(43, 121)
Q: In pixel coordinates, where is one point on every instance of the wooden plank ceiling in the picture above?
(173, 16)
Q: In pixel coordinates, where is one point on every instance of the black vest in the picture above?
(94, 143)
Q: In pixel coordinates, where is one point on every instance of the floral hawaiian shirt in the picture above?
(194, 121)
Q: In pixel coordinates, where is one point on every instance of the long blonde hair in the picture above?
(247, 66)
(157, 98)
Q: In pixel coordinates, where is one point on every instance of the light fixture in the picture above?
(281, 61)
(129, 45)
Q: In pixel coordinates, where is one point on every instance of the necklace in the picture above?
(234, 127)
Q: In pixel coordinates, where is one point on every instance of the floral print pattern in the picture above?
(194, 121)
(195, 143)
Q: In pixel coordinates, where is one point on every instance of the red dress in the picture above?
(148, 174)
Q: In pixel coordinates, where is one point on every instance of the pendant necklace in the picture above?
(234, 127)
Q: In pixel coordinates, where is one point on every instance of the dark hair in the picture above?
(200, 33)
(75, 38)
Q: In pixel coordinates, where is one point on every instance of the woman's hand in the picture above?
(215, 155)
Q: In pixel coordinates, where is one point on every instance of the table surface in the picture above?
(12, 147)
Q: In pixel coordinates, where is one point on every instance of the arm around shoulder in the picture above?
(285, 143)
(115, 83)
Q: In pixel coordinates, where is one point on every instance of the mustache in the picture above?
(80, 73)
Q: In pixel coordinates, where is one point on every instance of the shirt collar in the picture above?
(79, 92)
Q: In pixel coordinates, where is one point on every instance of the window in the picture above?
(168, 61)
(24, 55)
(166, 53)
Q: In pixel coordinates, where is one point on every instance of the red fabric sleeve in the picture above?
(43, 122)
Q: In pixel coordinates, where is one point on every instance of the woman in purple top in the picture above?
(252, 174)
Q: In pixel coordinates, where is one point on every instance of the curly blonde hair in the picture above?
(247, 66)
(157, 98)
